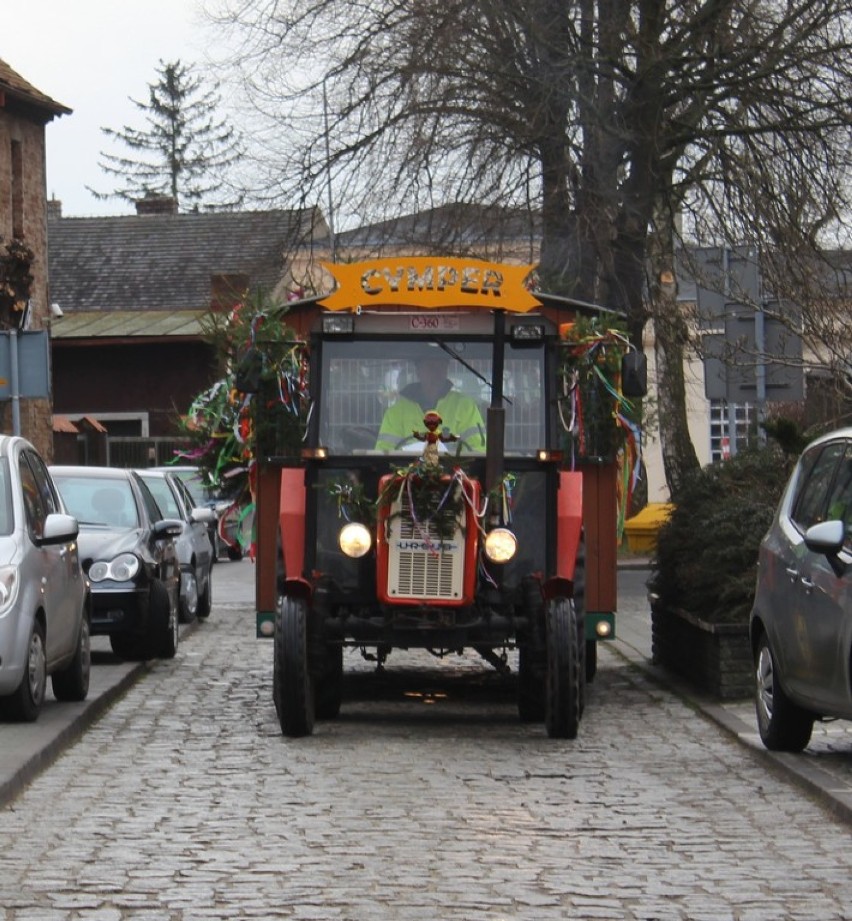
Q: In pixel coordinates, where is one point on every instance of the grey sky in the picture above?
(91, 55)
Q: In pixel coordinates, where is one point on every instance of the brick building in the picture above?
(24, 112)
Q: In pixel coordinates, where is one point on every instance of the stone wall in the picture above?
(714, 658)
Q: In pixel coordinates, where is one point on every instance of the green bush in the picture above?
(706, 555)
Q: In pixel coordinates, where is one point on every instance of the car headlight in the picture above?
(122, 569)
(500, 545)
(8, 587)
(354, 539)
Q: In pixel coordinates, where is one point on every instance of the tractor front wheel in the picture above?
(292, 686)
(565, 679)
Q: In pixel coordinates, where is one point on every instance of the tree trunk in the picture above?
(671, 340)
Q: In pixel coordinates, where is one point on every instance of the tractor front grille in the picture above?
(421, 565)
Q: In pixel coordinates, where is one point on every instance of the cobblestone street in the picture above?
(426, 799)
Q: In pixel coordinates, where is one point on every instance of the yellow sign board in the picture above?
(424, 281)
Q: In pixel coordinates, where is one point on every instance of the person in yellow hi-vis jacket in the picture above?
(432, 391)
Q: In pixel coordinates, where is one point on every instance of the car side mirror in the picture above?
(828, 538)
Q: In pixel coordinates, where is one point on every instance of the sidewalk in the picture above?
(824, 769)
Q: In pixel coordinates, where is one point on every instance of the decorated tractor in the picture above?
(450, 477)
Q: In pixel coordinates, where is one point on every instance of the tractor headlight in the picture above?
(500, 545)
(354, 539)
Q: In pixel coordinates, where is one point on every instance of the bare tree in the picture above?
(607, 116)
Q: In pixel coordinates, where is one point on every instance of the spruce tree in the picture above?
(184, 150)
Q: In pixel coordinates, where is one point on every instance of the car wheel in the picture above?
(205, 599)
(235, 553)
(188, 597)
(783, 725)
(563, 691)
(292, 687)
(72, 682)
(163, 619)
(25, 703)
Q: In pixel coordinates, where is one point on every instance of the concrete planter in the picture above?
(715, 658)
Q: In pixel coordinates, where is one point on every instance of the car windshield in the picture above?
(99, 501)
(375, 394)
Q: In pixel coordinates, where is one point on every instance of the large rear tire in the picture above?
(292, 686)
(565, 674)
(531, 681)
(783, 725)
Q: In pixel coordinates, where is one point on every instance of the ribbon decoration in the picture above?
(590, 379)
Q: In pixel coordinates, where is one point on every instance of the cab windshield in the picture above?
(376, 392)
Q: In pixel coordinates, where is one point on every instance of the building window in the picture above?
(724, 442)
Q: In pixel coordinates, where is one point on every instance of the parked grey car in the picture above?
(801, 623)
(225, 529)
(44, 596)
(194, 550)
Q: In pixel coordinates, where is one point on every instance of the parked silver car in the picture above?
(194, 550)
(801, 623)
(44, 595)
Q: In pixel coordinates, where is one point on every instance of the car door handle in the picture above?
(807, 585)
(793, 574)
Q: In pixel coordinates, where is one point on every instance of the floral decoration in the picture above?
(599, 421)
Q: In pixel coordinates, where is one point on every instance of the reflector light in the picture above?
(338, 324)
(528, 332)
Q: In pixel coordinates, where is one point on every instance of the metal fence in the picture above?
(142, 452)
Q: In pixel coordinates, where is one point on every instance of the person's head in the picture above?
(432, 372)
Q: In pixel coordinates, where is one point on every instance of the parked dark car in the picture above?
(44, 597)
(194, 550)
(129, 554)
(801, 623)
